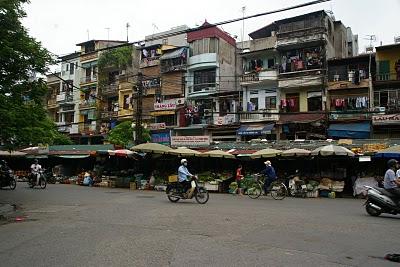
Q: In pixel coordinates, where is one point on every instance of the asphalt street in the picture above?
(69, 225)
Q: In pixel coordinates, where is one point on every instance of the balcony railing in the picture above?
(87, 129)
(203, 88)
(65, 97)
(87, 104)
(110, 89)
(168, 68)
(149, 62)
(89, 79)
(108, 114)
(52, 102)
(261, 115)
(388, 77)
(249, 78)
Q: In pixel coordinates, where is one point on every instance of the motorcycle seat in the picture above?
(385, 192)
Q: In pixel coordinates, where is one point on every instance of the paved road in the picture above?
(69, 225)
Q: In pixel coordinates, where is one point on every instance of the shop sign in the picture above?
(157, 126)
(165, 105)
(364, 159)
(161, 138)
(151, 83)
(392, 119)
(224, 120)
(190, 141)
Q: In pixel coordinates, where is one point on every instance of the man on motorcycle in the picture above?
(270, 175)
(4, 170)
(183, 175)
(392, 183)
(35, 171)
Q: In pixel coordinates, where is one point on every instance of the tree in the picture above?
(23, 119)
(122, 134)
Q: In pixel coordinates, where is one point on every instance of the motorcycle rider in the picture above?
(4, 171)
(270, 175)
(183, 175)
(35, 171)
(392, 183)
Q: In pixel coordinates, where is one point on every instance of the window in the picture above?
(67, 67)
(89, 47)
(213, 45)
(127, 101)
(206, 45)
(165, 41)
(254, 102)
(292, 102)
(204, 79)
(314, 101)
(71, 68)
(270, 102)
(271, 63)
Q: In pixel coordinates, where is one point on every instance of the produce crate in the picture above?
(132, 186)
(313, 194)
(211, 187)
(173, 178)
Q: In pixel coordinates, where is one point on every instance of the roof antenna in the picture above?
(88, 37)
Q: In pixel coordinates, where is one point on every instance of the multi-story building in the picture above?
(259, 82)
(211, 91)
(53, 89)
(304, 44)
(387, 92)
(90, 102)
(348, 96)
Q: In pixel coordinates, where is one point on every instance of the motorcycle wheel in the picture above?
(13, 184)
(202, 195)
(171, 196)
(43, 183)
(371, 211)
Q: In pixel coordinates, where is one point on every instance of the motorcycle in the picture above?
(175, 192)
(42, 180)
(8, 179)
(381, 201)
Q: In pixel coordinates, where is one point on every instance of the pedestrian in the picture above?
(87, 181)
(239, 178)
(270, 175)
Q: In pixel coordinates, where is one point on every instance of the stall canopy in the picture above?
(266, 153)
(332, 150)
(77, 151)
(256, 129)
(217, 154)
(184, 151)
(391, 152)
(151, 148)
(360, 130)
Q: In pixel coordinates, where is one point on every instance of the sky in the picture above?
(61, 24)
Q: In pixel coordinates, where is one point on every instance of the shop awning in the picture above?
(255, 129)
(162, 113)
(73, 156)
(300, 118)
(359, 130)
(174, 54)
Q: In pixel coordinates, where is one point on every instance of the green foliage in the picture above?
(122, 134)
(61, 139)
(23, 119)
(120, 58)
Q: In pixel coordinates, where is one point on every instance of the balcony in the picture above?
(64, 97)
(381, 77)
(203, 89)
(63, 127)
(87, 104)
(258, 77)
(52, 102)
(301, 78)
(258, 116)
(111, 89)
(149, 62)
(88, 56)
(89, 79)
(87, 129)
(108, 114)
(209, 60)
(171, 68)
(263, 43)
(349, 115)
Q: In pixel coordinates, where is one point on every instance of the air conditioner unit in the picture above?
(207, 112)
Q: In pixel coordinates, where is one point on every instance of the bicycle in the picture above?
(277, 189)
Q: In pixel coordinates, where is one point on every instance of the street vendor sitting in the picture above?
(87, 180)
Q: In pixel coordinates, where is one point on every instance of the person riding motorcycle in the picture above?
(4, 170)
(270, 175)
(35, 171)
(183, 175)
(392, 183)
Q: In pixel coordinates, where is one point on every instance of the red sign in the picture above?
(392, 119)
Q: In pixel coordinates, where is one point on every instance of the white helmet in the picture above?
(183, 161)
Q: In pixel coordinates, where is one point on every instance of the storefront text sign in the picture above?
(386, 119)
(190, 141)
(167, 105)
(157, 126)
(161, 138)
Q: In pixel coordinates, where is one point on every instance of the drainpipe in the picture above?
(370, 87)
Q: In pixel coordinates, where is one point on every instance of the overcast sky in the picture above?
(61, 24)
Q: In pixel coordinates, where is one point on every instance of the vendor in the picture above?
(87, 180)
(239, 177)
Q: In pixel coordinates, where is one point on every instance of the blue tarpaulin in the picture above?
(360, 130)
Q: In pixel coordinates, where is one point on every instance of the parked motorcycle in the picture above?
(42, 180)
(7, 179)
(175, 192)
(381, 201)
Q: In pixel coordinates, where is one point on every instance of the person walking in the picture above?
(239, 178)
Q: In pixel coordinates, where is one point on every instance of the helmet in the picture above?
(183, 161)
(36, 161)
(392, 163)
(268, 163)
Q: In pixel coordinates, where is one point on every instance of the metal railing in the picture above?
(203, 87)
(261, 115)
(108, 114)
(387, 77)
(87, 104)
(89, 79)
(110, 89)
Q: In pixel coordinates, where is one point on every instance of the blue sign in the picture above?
(161, 138)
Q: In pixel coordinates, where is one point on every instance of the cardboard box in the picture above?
(173, 178)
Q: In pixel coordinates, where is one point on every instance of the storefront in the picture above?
(256, 131)
(302, 126)
(361, 130)
(386, 126)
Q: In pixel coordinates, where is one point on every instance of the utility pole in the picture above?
(127, 32)
(243, 11)
(138, 131)
(370, 50)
